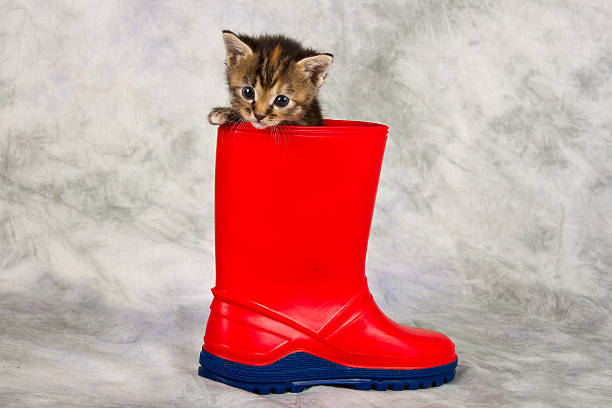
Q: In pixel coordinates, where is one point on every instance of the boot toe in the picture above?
(381, 341)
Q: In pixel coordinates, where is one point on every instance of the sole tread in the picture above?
(298, 371)
(357, 384)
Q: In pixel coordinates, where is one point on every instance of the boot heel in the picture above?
(226, 335)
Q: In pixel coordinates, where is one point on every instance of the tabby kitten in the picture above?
(272, 80)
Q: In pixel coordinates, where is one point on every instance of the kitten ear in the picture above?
(316, 67)
(236, 49)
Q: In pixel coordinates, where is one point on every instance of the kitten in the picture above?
(272, 80)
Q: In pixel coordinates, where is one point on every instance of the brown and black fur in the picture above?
(272, 65)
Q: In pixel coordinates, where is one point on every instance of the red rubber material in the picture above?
(293, 209)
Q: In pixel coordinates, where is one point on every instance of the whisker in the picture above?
(275, 135)
(238, 123)
(284, 132)
(235, 126)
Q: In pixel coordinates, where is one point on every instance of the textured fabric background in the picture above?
(493, 221)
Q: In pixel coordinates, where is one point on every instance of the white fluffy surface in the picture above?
(493, 218)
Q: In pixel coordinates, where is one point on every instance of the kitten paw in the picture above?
(216, 117)
(219, 116)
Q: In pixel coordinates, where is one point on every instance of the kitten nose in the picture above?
(258, 117)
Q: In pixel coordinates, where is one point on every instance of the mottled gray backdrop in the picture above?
(493, 221)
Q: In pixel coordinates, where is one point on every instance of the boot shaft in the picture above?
(293, 215)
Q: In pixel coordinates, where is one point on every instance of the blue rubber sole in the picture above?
(298, 371)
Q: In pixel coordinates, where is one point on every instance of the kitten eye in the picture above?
(281, 101)
(248, 93)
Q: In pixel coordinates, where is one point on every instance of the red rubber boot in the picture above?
(291, 306)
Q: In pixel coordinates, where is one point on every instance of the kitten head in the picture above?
(272, 79)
